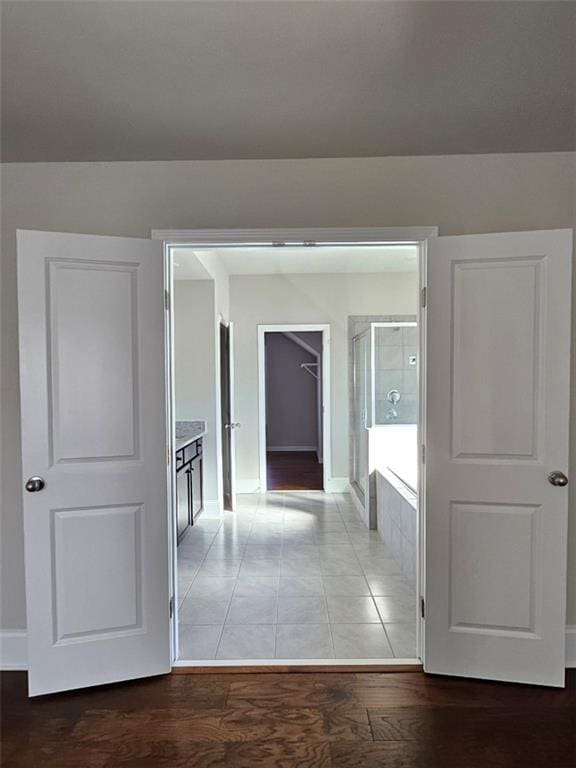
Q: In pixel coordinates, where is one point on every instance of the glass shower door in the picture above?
(360, 377)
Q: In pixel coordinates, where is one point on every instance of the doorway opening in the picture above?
(294, 406)
(285, 562)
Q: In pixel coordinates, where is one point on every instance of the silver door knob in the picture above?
(557, 478)
(234, 425)
(34, 484)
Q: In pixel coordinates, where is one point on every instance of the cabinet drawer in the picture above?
(192, 450)
(179, 459)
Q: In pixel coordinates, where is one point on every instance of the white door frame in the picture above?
(230, 325)
(324, 329)
(294, 236)
(233, 417)
(310, 237)
(171, 447)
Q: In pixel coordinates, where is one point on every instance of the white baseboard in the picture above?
(571, 646)
(13, 649)
(283, 448)
(357, 503)
(211, 508)
(337, 485)
(248, 486)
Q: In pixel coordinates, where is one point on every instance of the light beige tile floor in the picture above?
(291, 576)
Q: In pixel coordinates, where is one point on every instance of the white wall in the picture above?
(460, 194)
(276, 299)
(195, 382)
(212, 466)
(215, 267)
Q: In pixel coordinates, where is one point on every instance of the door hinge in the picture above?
(423, 297)
(423, 453)
(171, 607)
(422, 608)
(167, 298)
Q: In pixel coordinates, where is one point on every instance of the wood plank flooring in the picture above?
(293, 471)
(292, 720)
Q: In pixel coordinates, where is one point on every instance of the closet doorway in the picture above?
(294, 429)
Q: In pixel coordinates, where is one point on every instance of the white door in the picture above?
(498, 388)
(91, 313)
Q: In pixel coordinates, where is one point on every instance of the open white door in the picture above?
(92, 378)
(498, 347)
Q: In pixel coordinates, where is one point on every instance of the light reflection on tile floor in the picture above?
(291, 576)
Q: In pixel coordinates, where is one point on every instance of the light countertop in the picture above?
(188, 431)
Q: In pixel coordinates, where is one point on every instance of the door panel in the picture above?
(81, 297)
(93, 407)
(502, 597)
(495, 415)
(498, 346)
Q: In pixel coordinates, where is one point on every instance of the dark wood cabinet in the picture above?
(189, 486)
(197, 491)
(182, 501)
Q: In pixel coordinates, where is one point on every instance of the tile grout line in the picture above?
(232, 594)
(223, 626)
(178, 622)
(197, 570)
(326, 598)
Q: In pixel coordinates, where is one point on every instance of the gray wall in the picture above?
(458, 193)
(291, 395)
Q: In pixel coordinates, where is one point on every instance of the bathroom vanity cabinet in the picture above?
(189, 476)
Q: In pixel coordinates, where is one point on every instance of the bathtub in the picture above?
(396, 470)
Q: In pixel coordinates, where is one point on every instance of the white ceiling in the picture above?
(164, 80)
(303, 260)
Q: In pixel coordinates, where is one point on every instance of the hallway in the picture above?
(291, 576)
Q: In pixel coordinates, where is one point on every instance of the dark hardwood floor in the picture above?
(293, 471)
(291, 720)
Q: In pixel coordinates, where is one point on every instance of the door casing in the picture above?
(211, 239)
(324, 329)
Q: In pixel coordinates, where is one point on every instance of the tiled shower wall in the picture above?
(397, 514)
(396, 351)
